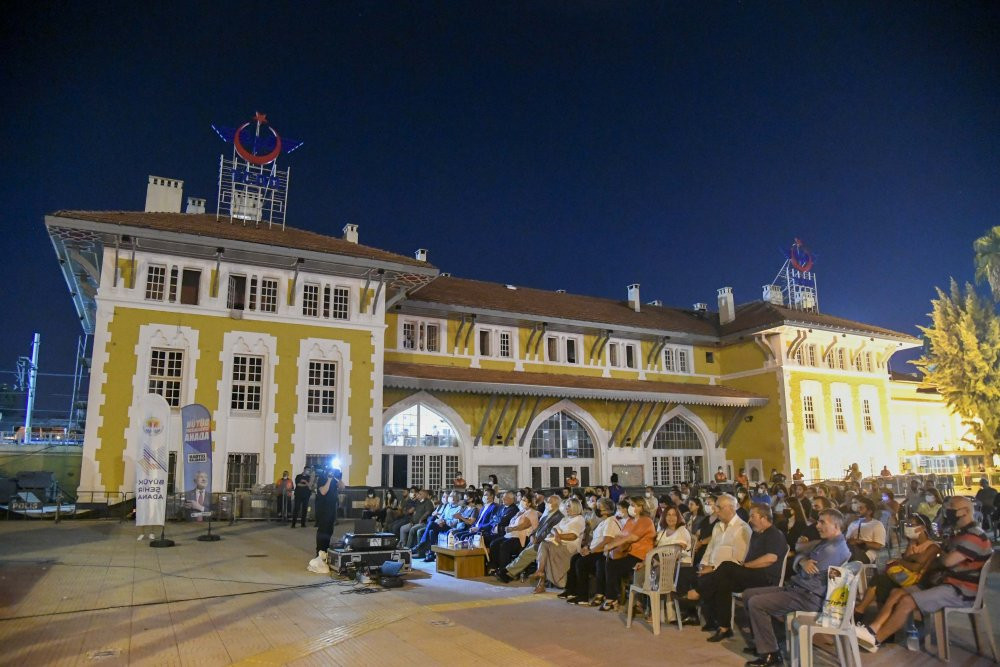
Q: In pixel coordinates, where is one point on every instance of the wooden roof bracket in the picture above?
(538, 341)
(652, 431)
(531, 418)
(503, 413)
(796, 343)
(482, 424)
(761, 341)
(655, 351)
(621, 420)
(513, 424)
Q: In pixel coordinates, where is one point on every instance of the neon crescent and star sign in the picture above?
(259, 119)
(800, 257)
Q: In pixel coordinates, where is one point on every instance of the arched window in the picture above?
(676, 434)
(561, 437)
(419, 426)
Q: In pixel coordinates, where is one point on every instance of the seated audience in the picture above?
(409, 532)
(529, 554)
(866, 534)
(584, 563)
(444, 522)
(559, 547)
(803, 591)
(954, 583)
(623, 553)
(762, 567)
(504, 549)
(908, 570)
(490, 508)
(372, 506)
(931, 505)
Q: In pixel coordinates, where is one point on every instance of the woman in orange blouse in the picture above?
(624, 553)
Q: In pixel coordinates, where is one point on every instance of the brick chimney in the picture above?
(351, 233)
(633, 297)
(727, 308)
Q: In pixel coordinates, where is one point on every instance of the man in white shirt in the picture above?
(730, 537)
(866, 534)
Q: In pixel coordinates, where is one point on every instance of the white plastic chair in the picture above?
(980, 619)
(664, 585)
(802, 626)
(738, 597)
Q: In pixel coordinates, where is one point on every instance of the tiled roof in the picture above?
(479, 380)
(205, 224)
(761, 315)
(539, 303)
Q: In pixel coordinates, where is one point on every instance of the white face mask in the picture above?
(412, 495)
(591, 503)
(632, 512)
(709, 510)
(929, 498)
(524, 505)
(911, 532)
(854, 507)
(649, 495)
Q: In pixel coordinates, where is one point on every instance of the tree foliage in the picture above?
(963, 360)
(987, 258)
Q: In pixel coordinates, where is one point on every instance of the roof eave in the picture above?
(562, 321)
(909, 341)
(317, 260)
(514, 389)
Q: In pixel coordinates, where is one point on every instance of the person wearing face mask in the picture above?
(931, 505)
(762, 495)
(405, 510)
(866, 534)
(621, 511)
(497, 527)
(372, 506)
(444, 522)
(908, 570)
(584, 564)
(409, 533)
(742, 503)
(651, 501)
(705, 530)
(730, 537)
(559, 547)
(803, 591)
(546, 523)
(696, 516)
(623, 553)
(488, 510)
(504, 549)
(590, 509)
(954, 582)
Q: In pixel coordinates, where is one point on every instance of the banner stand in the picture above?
(163, 541)
(209, 537)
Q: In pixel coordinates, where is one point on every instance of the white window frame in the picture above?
(677, 359)
(340, 305)
(156, 286)
(839, 415)
(169, 386)
(311, 302)
(321, 398)
(562, 341)
(246, 393)
(866, 415)
(421, 328)
(265, 289)
(493, 335)
(618, 354)
(809, 414)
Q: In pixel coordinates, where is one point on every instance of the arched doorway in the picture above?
(559, 445)
(420, 447)
(678, 454)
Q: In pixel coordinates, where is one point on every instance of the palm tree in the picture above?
(987, 249)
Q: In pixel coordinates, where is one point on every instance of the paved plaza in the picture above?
(85, 592)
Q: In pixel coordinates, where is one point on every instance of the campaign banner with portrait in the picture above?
(151, 461)
(197, 433)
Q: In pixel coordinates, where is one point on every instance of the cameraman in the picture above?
(327, 490)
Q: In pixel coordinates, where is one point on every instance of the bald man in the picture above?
(965, 554)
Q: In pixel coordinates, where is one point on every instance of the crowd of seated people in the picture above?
(591, 543)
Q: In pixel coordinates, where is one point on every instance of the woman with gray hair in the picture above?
(562, 543)
(584, 563)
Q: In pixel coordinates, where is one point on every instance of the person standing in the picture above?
(302, 493)
(616, 490)
(283, 489)
(327, 488)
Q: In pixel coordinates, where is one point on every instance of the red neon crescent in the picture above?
(804, 268)
(250, 157)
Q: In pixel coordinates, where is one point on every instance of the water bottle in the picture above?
(451, 540)
(912, 637)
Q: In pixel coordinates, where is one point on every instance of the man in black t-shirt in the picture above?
(762, 567)
(302, 493)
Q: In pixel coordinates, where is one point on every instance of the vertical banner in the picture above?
(151, 461)
(197, 425)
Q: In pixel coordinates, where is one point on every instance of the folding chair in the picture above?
(738, 597)
(980, 618)
(802, 626)
(665, 584)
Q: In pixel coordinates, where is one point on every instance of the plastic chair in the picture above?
(738, 597)
(980, 618)
(664, 585)
(802, 626)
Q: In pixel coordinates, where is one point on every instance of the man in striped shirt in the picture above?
(965, 554)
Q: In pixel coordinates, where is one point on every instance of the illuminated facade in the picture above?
(307, 347)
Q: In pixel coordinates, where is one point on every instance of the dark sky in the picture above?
(572, 145)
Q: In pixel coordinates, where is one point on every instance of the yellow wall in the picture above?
(122, 362)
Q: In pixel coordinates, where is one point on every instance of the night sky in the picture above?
(573, 145)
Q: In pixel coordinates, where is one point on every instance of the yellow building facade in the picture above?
(308, 348)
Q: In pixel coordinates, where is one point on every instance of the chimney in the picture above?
(195, 205)
(701, 308)
(421, 254)
(633, 296)
(727, 309)
(164, 195)
(772, 294)
(560, 291)
(351, 233)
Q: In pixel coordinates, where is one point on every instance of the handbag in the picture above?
(902, 575)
